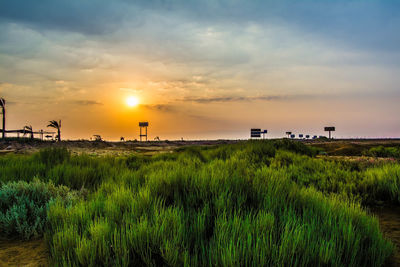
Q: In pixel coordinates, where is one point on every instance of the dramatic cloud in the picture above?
(238, 59)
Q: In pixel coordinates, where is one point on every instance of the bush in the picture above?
(383, 152)
(23, 207)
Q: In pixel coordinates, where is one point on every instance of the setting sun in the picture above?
(132, 101)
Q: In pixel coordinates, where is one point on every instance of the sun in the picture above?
(132, 101)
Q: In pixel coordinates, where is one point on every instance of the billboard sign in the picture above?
(255, 132)
(143, 124)
(329, 129)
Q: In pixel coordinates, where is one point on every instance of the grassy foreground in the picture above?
(249, 204)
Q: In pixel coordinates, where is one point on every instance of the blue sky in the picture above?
(202, 69)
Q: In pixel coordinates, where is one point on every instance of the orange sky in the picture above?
(206, 70)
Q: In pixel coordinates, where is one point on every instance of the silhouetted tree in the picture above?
(29, 129)
(56, 125)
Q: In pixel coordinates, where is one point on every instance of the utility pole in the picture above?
(3, 107)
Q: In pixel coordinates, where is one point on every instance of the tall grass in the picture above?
(248, 204)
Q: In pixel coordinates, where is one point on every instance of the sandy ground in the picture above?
(23, 253)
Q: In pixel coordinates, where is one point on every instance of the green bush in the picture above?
(383, 152)
(23, 207)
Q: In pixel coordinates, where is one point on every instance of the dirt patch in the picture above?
(389, 220)
(23, 253)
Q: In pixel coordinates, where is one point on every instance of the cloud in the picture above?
(161, 107)
(88, 17)
(87, 102)
(130, 90)
(204, 100)
(344, 21)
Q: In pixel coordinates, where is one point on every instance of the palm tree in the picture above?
(3, 107)
(29, 129)
(56, 125)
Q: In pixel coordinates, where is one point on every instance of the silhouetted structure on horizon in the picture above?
(3, 109)
(329, 129)
(142, 125)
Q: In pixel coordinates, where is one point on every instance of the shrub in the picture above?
(383, 152)
(23, 207)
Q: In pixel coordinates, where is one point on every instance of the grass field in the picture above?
(255, 203)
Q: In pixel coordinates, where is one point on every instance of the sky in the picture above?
(208, 69)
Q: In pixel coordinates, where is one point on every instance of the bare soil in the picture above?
(104, 148)
(389, 220)
(23, 253)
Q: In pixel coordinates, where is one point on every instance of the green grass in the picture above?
(247, 204)
(383, 152)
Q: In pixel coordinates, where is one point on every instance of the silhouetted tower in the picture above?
(3, 108)
(143, 125)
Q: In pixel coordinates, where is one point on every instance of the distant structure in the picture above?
(257, 133)
(156, 138)
(3, 109)
(329, 129)
(264, 133)
(122, 139)
(97, 138)
(144, 125)
(288, 134)
(301, 135)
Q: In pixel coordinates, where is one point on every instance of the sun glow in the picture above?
(132, 101)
